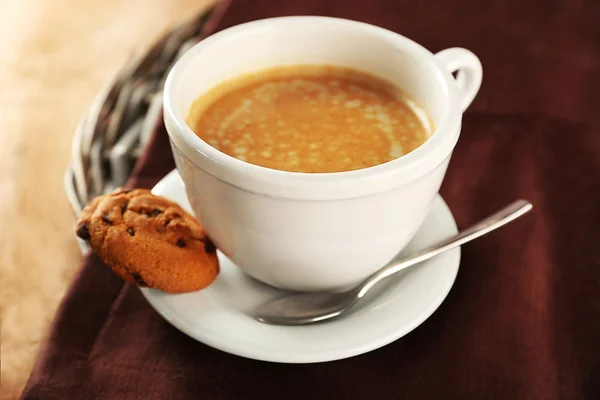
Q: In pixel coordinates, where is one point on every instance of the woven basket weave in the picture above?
(115, 131)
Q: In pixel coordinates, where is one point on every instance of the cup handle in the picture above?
(468, 69)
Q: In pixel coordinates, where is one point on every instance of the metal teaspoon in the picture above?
(307, 308)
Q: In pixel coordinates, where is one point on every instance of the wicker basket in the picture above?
(115, 131)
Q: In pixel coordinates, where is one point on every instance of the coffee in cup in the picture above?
(310, 118)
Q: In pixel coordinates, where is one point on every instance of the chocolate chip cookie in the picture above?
(149, 240)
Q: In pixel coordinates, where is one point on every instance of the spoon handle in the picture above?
(493, 222)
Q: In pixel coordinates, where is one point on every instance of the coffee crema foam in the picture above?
(310, 118)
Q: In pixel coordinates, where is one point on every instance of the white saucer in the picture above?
(221, 315)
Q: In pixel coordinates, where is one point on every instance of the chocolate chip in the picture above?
(131, 231)
(106, 219)
(154, 213)
(83, 231)
(180, 243)
(138, 279)
(124, 207)
(209, 246)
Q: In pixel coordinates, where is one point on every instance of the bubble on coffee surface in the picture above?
(309, 119)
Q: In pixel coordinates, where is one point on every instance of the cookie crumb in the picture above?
(209, 246)
(154, 213)
(83, 231)
(138, 279)
(106, 219)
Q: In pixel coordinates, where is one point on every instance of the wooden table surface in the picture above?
(55, 56)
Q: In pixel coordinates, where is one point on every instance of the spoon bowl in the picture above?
(300, 309)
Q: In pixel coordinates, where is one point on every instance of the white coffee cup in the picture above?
(305, 231)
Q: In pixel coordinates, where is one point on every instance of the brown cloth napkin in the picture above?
(523, 319)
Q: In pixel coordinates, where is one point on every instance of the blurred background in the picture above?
(56, 55)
